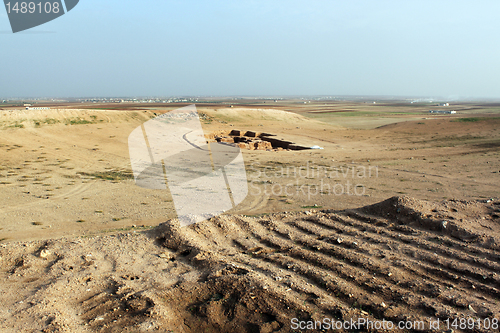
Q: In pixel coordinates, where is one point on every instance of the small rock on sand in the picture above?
(44, 253)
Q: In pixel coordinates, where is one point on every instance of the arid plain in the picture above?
(396, 218)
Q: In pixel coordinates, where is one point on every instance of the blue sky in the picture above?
(271, 47)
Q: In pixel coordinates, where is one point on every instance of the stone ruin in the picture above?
(254, 141)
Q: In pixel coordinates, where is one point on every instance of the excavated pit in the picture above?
(254, 140)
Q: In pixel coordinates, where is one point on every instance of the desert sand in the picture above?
(396, 218)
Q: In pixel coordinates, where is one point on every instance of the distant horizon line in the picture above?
(265, 97)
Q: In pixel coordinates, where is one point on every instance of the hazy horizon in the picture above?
(416, 49)
(354, 98)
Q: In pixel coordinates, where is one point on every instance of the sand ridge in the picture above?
(394, 260)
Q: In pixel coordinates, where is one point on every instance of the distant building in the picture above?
(444, 104)
(442, 111)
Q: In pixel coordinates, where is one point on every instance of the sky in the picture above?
(125, 48)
